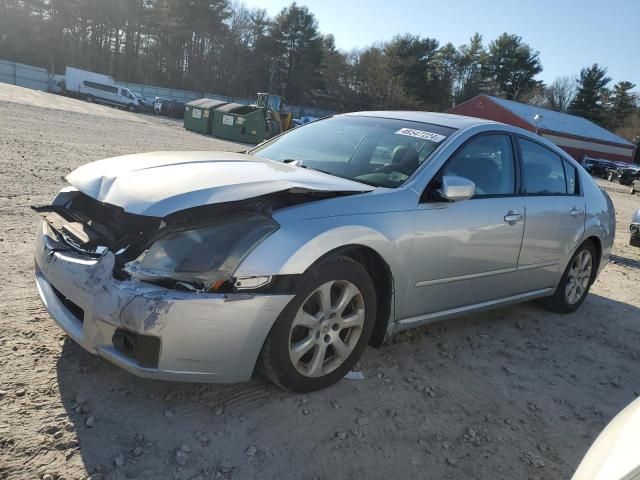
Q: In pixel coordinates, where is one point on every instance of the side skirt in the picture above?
(413, 322)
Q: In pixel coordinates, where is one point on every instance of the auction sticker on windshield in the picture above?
(410, 132)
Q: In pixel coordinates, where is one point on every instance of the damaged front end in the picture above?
(136, 261)
(196, 250)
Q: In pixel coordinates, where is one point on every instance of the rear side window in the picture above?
(571, 176)
(543, 171)
(488, 162)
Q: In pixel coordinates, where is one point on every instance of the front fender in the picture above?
(296, 246)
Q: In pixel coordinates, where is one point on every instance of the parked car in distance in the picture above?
(143, 105)
(615, 454)
(598, 168)
(291, 259)
(588, 162)
(634, 228)
(624, 175)
(75, 77)
(109, 95)
(99, 88)
(170, 108)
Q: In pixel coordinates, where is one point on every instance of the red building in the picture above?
(577, 136)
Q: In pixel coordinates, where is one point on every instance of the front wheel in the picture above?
(89, 98)
(323, 331)
(575, 282)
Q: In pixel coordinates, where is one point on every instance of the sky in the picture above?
(569, 34)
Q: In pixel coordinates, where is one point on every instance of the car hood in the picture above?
(614, 454)
(160, 183)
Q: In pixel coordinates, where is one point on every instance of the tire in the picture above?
(610, 177)
(632, 190)
(89, 98)
(320, 362)
(131, 108)
(634, 241)
(562, 301)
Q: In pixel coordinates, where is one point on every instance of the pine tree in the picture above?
(592, 88)
(298, 52)
(623, 103)
(469, 76)
(512, 65)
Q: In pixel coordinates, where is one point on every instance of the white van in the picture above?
(109, 94)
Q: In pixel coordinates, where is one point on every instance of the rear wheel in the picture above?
(610, 177)
(131, 108)
(575, 282)
(323, 331)
(634, 241)
(632, 189)
(89, 98)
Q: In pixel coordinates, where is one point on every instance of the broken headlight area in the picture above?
(195, 250)
(91, 227)
(202, 258)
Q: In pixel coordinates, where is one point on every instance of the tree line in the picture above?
(230, 49)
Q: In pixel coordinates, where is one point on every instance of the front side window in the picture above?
(381, 152)
(487, 161)
(543, 171)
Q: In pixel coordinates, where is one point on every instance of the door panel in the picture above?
(555, 214)
(464, 253)
(551, 234)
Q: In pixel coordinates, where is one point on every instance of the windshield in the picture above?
(377, 151)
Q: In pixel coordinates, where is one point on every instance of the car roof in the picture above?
(443, 119)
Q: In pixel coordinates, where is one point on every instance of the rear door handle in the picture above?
(512, 217)
(576, 212)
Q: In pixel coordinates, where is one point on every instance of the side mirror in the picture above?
(456, 189)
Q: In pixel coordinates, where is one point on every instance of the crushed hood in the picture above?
(161, 183)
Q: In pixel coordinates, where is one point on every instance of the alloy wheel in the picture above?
(579, 277)
(326, 328)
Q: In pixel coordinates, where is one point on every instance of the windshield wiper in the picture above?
(299, 163)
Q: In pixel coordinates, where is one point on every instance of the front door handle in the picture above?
(576, 212)
(512, 217)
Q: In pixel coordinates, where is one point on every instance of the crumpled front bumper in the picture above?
(204, 337)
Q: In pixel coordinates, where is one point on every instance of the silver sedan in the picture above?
(291, 259)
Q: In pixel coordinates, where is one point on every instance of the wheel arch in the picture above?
(597, 243)
(383, 281)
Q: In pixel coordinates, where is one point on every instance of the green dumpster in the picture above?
(240, 123)
(198, 114)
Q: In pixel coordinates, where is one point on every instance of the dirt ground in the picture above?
(514, 393)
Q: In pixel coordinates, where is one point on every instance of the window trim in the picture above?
(576, 177)
(562, 161)
(425, 197)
